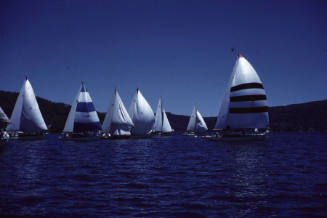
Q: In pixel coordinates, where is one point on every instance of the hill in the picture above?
(311, 116)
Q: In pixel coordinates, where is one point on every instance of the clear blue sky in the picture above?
(180, 50)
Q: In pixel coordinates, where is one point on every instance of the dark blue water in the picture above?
(170, 176)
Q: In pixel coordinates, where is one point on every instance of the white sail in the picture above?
(166, 127)
(82, 116)
(117, 121)
(26, 115)
(200, 126)
(158, 119)
(245, 104)
(141, 115)
(191, 122)
(3, 117)
(196, 122)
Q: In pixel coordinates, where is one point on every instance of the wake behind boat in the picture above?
(82, 123)
(26, 119)
(244, 111)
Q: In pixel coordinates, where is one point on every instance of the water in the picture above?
(176, 176)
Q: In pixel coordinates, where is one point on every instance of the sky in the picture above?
(174, 49)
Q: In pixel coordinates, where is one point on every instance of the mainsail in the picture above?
(26, 116)
(82, 116)
(161, 123)
(196, 122)
(141, 115)
(245, 101)
(117, 120)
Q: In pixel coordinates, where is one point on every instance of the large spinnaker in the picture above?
(141, 114)
(82, 116)
(245, 104)
(26, 116)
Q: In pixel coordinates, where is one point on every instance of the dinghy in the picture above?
(244, 111)
(83, 123)
(142, 116)
(4, 137)
(117, 123)
(26, 119)
(161, 123)
(196, 124)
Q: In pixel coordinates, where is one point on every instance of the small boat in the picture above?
(243, 113)
(117, 123)
(161, 124)
(82, 123)
(142, 116)
(4, 120)
(196, 124)
(26, 119)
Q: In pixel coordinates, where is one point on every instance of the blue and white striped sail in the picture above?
(245, 103)
(26, 116)
(141, 114)
(117, 120)
(82, 116)
(196, 123)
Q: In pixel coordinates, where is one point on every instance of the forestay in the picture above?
(82, 116)
(26, 116)
(117, 120)
(141, 115)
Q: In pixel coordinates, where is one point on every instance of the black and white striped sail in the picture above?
(196, 123)
(245, 101)
(117, 120)
(26, 116)
(3, 117)
(141, 115)
(161, 123)
(82, 116)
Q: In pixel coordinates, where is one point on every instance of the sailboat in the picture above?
(161, 123)
(244, 111)
(82, 123)
(26, 119)
(4, 120)
(141, 115)
(117, 122)
(196, 124)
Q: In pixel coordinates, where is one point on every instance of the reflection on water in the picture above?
(175, 176)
